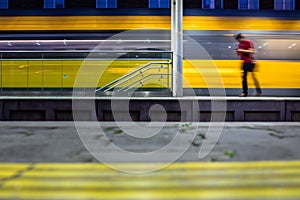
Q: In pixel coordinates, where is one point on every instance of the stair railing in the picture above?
(133, 74)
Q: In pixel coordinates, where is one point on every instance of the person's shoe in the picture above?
(243, 95)
(258, 94)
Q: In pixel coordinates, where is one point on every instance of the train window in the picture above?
(106, 3)
(284, 4)
(208, 4)
(159, 3)
(218, 4)
(3, 4)
(230, 4)
(133, 4)
(192, 4)
(54, 3)
(60, 3)
(212, 4)
(26, 4)
(266, 5)
(249, 4)
(80, 3)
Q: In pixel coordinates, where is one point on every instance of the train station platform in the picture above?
(49, 160)
(242, 148)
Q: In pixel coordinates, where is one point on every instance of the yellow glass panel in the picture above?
(35, 74)
(96, 73)
(15, 73)
(53, 74)
(118, 68)
(113, 70)
(89, 73)
(70, 69)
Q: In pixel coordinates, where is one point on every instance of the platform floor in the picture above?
(60, 141)
(47, 160)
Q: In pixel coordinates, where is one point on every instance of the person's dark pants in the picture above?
(248, 67)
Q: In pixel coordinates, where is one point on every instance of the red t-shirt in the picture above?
(246, 57)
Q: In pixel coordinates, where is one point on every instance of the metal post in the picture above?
(177, 46)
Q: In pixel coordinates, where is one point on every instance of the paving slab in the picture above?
(148, 142)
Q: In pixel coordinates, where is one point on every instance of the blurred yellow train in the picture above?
(96, 23)
(276, 39)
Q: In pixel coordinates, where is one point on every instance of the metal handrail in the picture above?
(145, 78)
(134, 83)
(129, 74)
(128, 78)
(81, 51)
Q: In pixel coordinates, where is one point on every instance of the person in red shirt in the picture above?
(246, 50)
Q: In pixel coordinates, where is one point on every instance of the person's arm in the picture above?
(250, 50)
(237, 53)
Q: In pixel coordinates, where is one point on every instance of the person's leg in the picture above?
(256, 83)
(244, 79)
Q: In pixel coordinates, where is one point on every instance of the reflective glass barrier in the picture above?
(60, 70)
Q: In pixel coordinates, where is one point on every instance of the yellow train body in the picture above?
(21, 23)
(62, 73)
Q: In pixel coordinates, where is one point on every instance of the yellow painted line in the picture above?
(144, 22)
(192, 180)
(184, 165)
(164, 175)
(157, 183)
(6, 174)
(13, 166)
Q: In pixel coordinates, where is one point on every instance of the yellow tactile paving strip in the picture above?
(234, 180)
